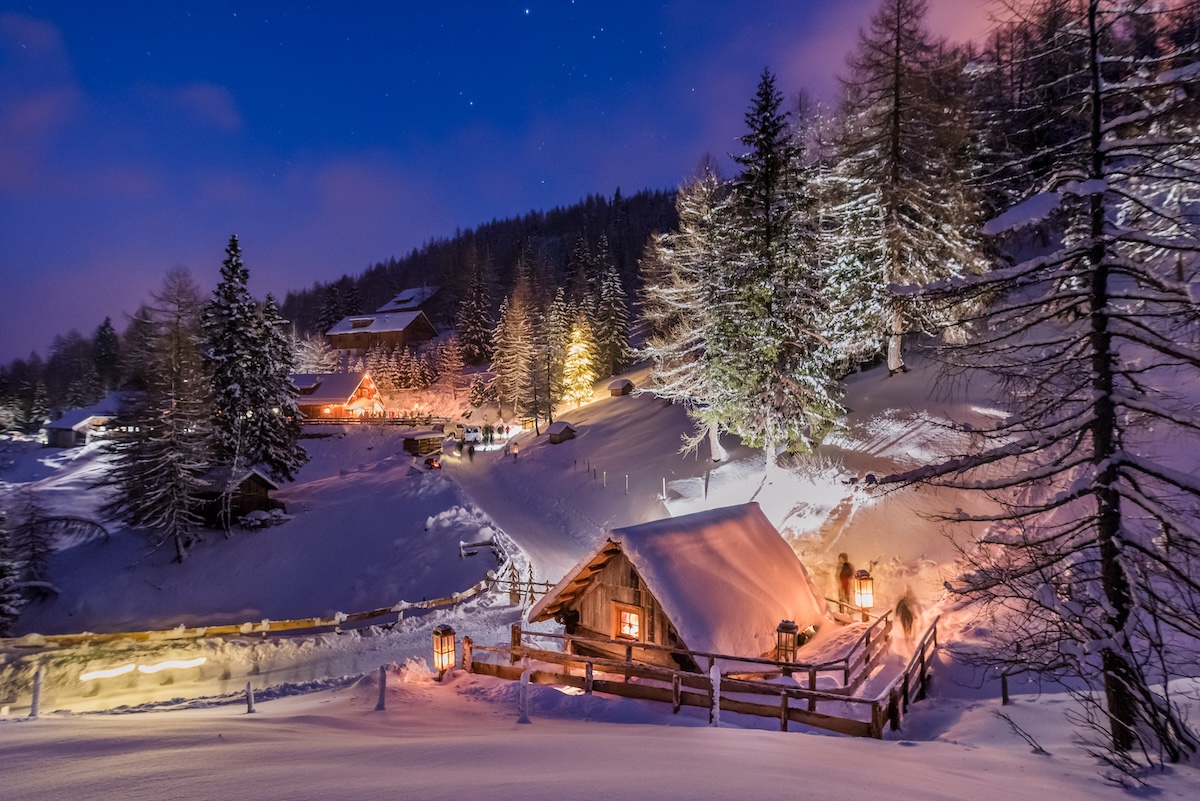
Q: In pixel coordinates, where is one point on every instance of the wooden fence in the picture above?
(740, 695)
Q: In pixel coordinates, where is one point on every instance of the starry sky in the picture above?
(137, 136)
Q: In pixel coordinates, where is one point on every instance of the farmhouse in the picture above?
(718, 581)
(80, 426)
(329, 396)
(360, 332)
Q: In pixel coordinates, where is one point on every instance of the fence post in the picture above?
(587, 679)
(515, 644)
(893, 710)
(783, 711)
(904, 689)
(379, 705)
(714, 697)
(812, 688)
(468, 657)
(604, 478)
(36, 702)
(523, 696)
(249, 699)
(626, 483)
(675, 694)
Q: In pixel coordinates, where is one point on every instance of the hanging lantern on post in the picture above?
(864, 592)
(786, 634)
(443, 650)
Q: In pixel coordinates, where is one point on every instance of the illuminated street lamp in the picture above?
(786, 634)
(443, 650)
(864, 592)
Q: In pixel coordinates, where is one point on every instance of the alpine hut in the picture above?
(717, 582)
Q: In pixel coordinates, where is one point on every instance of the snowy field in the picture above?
(370, 527)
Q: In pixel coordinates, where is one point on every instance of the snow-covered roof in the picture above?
(620, 383)
(725, 578)
(220, 478)
(409, 299)
(322, 388)
(559, 426)
(77, 418)
(377, 323)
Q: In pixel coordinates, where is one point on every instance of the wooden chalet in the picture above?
(358, 333)
(718, 581)
(80, 426)
(560, 431)
(247, 491)
(410, 299)
(329, 396)
(622, 386)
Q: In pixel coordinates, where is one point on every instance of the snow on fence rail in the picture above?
(857, 716)
(525, 588)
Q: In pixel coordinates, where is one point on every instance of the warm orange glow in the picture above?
(864, 590)
(107, 674)
(326, 410)
(629, 624)
(173, 664)
(443, 649)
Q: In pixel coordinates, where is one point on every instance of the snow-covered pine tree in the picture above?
(764, 342)
(481, 392)
(513, 348)
(452, 364)
(1092, 570)
(166, 441)
(106, 355)
(612, 320)
(33, 406)
(230, 324)
(314, 355)
(579, 374)
(331, 309)
(676, 270)
(275, 421)
(33, 535)
(381, 364)
(906, 171)
(10, 594)
(474, 316)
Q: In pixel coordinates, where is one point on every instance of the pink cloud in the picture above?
(209, 104)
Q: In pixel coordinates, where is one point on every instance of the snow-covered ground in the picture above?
(371, 527)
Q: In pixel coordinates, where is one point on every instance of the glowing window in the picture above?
(629, 624)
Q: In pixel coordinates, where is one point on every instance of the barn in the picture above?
(718, 581)
(226, 496)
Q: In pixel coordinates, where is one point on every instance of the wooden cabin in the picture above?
(422, 443)
(329, 396)
(717, 582)
(248, 491)
(622, 386)
(80, 426)
(358, 333)
(560, 431)
(410, 299)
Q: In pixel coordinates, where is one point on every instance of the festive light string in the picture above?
(170, 664)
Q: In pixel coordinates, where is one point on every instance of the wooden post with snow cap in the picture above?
(380, 704)
(35, 702)
(523, 696)
(714, 707)
(468, 656)
(515, 644)
(676, 700)
(249, 699)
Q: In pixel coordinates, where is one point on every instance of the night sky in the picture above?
(137, 136)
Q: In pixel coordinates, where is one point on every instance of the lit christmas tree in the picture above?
(578, 373)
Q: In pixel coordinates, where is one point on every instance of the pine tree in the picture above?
(765, 345)
(906, 171)
(10, 593)
(513, 348)
(474, 319)
(33, 409)
(331, 310)
(33, 535)
(579, 376)
(313, 355)
(106, 355)
(165, 448)
(452, 364)
(1091, 570)
(275, 418)
(612, 322)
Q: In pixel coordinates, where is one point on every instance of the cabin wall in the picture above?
(618, 585)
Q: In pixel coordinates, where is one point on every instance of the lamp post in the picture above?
(443, 650)
(786, 634)
(864, 592)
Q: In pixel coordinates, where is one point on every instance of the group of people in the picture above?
(908, 608)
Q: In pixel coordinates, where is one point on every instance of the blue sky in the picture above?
(137, 136)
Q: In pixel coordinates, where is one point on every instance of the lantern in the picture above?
(864, 592)
(443, 650)
(786, 634)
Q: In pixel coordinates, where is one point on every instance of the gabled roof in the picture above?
(326, 388)
(218, 479)
(620, 383)
(76, 418)
(378, 323)
(725, 578)
(559, 426)
(410, 298)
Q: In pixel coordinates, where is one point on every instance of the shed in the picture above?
(422, 443)
(247, 490)
(81, 426)
(560, 431)
(718, 581)
(327, 396)
(622, 386)
(361, 332)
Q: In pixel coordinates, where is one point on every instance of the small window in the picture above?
(627, 623)
(362, 322)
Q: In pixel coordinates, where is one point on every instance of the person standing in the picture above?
(845, 577)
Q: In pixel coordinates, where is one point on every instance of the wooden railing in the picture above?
(911, 685)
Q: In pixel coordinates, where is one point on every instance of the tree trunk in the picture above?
(714, 443)
(895, 356)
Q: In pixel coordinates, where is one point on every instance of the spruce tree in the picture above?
(10, 593)
(513, 349)
(106, 355)
(579, 374)
(612, 323)
(474, 318)
(906, 171)
(275, 426)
